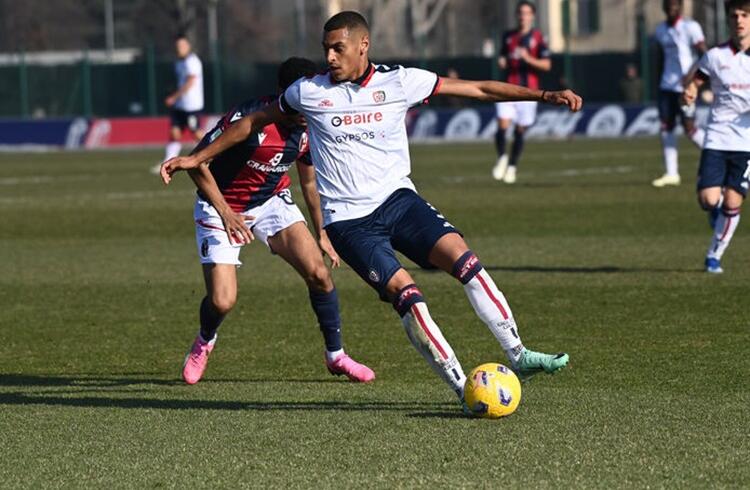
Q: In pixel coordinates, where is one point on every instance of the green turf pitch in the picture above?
(99, 292)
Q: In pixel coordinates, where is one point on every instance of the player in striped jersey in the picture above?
(243, 193)
(523, 55)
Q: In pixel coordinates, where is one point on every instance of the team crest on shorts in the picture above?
(374, 277)
(204, 248)
(378, 96)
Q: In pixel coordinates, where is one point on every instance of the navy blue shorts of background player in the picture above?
(669, 109)
(184, 119)
(725, 169)
(404, 222)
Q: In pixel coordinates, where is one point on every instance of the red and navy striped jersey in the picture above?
(518, 71)
(251, 172)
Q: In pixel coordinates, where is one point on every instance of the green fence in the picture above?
(139, 88)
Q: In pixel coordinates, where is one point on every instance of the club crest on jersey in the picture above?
(378, 96)
(374, 276)
(325, 103)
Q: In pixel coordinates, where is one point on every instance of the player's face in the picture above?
(739, 24)
(525, 17)
(346, 53)
(182, 47)
(672, 8)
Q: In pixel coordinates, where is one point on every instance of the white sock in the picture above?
(332, 355)
(172, 150)
(427, 338)
(491, 306)
(698, 136)
(724, 229)
(669, 146)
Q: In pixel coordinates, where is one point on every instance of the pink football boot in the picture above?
(196, 360)
(343, 364)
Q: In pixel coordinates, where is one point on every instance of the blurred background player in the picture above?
(372, 209)
(244, 193)
(724, 172)
(678, 39)
(523, 54)
(186, 103)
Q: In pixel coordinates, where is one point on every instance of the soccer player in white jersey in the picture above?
(679, 38)
(355, 114)
(186, 103)
(724, 172)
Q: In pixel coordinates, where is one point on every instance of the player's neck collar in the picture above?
(672, 23)
(361, 81)
(736, 48)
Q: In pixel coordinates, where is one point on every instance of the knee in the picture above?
(520, 130)
(708, 202)
(223, 303)
(319, 279)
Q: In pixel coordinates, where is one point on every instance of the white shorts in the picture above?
(274, 215)
(522, 113)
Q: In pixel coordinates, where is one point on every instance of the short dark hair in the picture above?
(347, 19)
(730, 5)
(526, 3)
(293, 69)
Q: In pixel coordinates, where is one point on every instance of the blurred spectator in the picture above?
(631, 86)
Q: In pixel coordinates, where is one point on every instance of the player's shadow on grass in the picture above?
(23, 399)
(89, 391)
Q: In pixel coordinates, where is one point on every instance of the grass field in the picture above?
(100, 287)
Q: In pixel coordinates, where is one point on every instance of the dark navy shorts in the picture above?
(184, 119)
(669, 109)
(404, 222)
(725, 169)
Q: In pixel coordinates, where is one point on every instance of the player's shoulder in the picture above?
(509, 34)
(661, 27)
(722, 49)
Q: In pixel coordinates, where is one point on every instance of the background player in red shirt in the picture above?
(243, 193)
(523, 54)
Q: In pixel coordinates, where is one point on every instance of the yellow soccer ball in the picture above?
(492, 391)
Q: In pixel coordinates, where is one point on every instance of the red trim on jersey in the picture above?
(438, 84)
(487, 290)
(426, 330)
(371, 72)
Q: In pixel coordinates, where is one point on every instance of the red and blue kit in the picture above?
(251, 172)
(518, 71)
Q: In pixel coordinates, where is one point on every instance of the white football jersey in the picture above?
(677, 42)
(357, 134)
(728, 70)
(192, 100)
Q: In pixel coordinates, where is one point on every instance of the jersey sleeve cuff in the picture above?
(702, 75)
(285, 107)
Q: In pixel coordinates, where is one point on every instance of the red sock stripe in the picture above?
(728, 222)
(492, 296)
(426, 330)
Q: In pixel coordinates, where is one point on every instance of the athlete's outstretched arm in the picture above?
(492, 91)
(312, 199)
(234, 223)
(236, 133)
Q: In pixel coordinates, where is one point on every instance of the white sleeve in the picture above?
(696, 34)
(194, 66)
(419, 85)
(290, 101)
